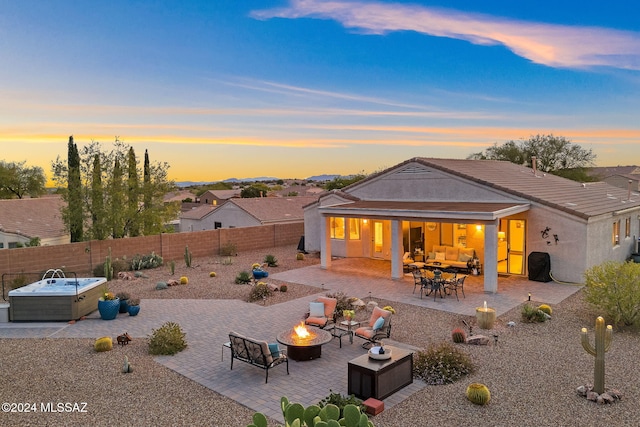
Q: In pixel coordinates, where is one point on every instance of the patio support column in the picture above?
(325, 243)
(490, 269)
(396, 250)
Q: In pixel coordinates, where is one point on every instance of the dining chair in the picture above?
(457, 283)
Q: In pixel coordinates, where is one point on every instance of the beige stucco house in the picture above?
(245, 212)
(503, 211)
(24, 219)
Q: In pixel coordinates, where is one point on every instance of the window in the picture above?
(354, 228)
(616, 233)
(627, 227)
(337, 228)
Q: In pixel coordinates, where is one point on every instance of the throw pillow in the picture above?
(432, 255)
(464, 257)
(274, 349)
(440, 256)
(379, 323)
(316, 309)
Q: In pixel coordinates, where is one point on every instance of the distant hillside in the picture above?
(322, 177)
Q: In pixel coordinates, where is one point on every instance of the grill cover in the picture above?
(539, 267)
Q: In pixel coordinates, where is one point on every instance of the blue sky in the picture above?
(294, 88)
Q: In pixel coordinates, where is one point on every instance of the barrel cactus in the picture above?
(545, 309)
(300, 256)
(478, 393)
(103, 344)
(184, 280)
(458, 336)
(212, 274)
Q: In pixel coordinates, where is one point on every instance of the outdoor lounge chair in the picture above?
(375, 330)
(322, 312)
(256, 353)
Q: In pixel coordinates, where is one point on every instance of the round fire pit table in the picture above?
(307, 348)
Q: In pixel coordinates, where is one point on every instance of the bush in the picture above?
(613, 288)
(341, 401)
(441, 364)
(167, 340)
(243, 277)
(228, 249)
(143, 262)
(344, 302)
(531, 314)
(259, 292)
(271, 261)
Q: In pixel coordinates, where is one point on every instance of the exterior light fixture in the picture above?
(502, 236)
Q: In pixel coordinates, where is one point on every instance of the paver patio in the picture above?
(208, 322)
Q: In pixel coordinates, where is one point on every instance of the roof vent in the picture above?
(415, 169)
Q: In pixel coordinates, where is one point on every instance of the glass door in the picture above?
(378, 239)
(516, 246)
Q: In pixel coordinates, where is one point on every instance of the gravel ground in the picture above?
(532, 372)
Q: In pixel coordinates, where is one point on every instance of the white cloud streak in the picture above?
(559, 46)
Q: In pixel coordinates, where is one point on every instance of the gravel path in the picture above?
(532, 372)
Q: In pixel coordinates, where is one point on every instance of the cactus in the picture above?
(545, 309)
(313, 416)
(172, 267)
(184, 280)
(602, 344)
(458, 336)
(478, 393)
(126, 367)
(212, 274)
(108, 267)
(300, 256)
(187, 256)
(283, 288)
(103, 344)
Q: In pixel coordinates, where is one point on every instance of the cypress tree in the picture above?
(147, 195)
(74, 188)
(97, 201)
(133, 218)
(117, 202)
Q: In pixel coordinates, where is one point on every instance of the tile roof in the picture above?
(274, 209)
(38, 217)
(582, 200)
(199, 212)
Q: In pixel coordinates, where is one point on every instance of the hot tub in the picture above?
(55, 299)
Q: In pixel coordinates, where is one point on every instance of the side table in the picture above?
(380, 378)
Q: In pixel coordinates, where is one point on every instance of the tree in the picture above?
(16, 180)
(107, 192)
(553, 153)
(255, 190)
(342, 181)
(75, 216)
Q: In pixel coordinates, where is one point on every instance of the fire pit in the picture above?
(304, 343)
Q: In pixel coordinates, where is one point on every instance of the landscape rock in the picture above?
(478, 340)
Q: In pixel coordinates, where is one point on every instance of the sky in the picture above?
(295, 88)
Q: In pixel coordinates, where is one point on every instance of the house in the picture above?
(501, 210)
(217, 197)
(245, 212)
(24, 219)
(627, 177)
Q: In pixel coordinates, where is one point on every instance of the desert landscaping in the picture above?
(532, 371)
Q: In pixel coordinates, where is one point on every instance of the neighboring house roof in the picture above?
(38, 217)
(219, 194)
(581, 200)
(199, 212)
(274, 209)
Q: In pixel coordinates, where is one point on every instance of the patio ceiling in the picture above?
(428, 211)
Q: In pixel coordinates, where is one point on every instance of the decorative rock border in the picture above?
(609, 395)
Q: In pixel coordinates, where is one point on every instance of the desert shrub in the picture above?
(344, 302)
(243, 277)
(341, 401)
(531, 314)
(613, 288)
(441, 364)
(228, 249)
(20, 281)
(271, 261)
(259, 292)
(143, 262)
(168, 339)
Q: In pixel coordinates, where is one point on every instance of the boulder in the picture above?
(478, 340)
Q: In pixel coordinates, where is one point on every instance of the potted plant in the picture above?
(108, 305)
(258, 272)
(134, 307)
(124, 299)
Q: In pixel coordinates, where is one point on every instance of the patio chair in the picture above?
(455, 284)
(322, 312)
(375, 329)
(418, 280)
